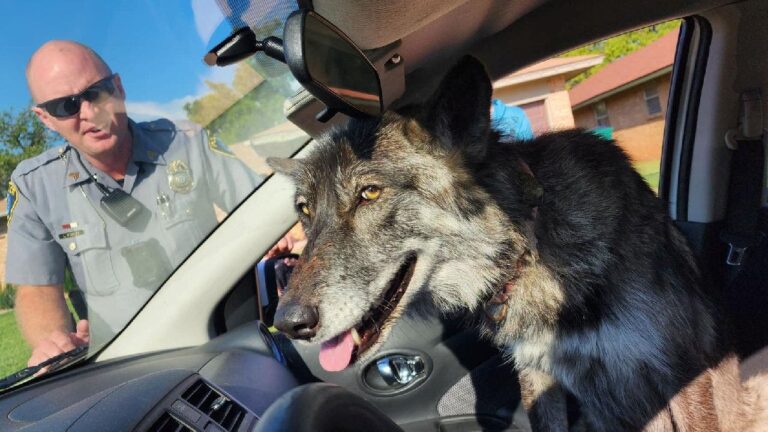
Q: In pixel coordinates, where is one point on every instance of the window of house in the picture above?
(652, 101)
(601, 115)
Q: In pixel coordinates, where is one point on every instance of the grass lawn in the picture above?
(14, 352)
(650, 172)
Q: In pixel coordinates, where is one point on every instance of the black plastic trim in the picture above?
(691, 117)
(676, 92)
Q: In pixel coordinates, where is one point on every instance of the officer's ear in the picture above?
(44, 117)
(118, 83)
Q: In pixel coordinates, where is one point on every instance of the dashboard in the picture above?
(248, 379)
(224, 385)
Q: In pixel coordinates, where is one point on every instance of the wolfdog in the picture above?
(557, 243)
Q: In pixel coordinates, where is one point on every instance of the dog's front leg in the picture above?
(544, 401)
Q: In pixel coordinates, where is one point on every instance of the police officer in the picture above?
(121, 205)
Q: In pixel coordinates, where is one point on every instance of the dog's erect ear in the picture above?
(460, 110)
(288, 167)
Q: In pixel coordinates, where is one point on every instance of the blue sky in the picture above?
(156, 45)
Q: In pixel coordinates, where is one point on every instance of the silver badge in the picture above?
(180, 177)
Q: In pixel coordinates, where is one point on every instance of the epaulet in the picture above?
(157, 125)
(213, 143)
(187, 126)
(28, 165)
(180, 126)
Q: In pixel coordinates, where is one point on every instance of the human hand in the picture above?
(284, 246)
(59, 342)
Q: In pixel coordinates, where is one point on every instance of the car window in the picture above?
(617, 87)
(198, 140)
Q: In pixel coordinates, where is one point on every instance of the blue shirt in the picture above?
(177, 172)
(510, 121)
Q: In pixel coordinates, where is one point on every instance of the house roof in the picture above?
(568, 66)
(642, 63)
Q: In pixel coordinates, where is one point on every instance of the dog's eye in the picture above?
(370, 193)
(303, 207)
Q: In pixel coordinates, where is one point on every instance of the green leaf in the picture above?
(22, 136)
(618, 46)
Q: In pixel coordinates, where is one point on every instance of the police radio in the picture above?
(119, 205)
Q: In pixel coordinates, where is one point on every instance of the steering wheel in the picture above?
(322, 407)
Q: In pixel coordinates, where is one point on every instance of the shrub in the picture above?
(7, 296)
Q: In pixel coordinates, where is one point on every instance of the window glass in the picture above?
(624, 97)
(652, 101)
(126, 152)
(601, 114)
(617, 87)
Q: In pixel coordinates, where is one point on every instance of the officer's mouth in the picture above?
(95, 132)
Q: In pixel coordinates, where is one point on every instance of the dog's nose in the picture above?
(296, 320)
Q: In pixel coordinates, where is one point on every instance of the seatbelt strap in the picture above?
(746, 183)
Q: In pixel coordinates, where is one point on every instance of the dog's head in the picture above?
(395, 218)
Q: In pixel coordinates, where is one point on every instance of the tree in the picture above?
(619, 46)
(237, 112)
(22, 136)
(254, 101)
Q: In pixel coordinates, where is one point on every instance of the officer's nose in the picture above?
(87, 110)
(299, 321)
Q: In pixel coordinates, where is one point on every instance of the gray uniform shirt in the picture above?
(56, 220)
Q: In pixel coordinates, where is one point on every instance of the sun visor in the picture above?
(374, 24)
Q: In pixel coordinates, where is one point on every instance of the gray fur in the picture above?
(607, 304)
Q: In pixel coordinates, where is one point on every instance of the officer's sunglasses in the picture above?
(67, 106)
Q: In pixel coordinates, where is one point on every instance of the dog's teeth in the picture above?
(356, 337)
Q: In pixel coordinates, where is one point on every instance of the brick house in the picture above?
(630, 96)
(540, 90)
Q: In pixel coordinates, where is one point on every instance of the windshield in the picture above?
(120, 151)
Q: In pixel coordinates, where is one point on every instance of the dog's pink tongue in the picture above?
(336, 353)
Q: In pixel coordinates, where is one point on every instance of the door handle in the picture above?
(399, 370)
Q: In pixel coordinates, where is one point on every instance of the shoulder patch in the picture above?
(217, 147)
(12, 200)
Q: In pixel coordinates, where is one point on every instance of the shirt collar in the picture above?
(144, 149)
(76, 171)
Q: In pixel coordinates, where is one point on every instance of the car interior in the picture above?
(197, 357)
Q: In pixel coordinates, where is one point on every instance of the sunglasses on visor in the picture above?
(70, 105)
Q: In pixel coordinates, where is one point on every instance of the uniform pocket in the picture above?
(90, 255)
(182, 224)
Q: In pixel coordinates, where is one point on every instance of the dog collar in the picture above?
(497, 306)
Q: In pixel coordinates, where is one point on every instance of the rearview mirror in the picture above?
(329, 65)
(321, 58)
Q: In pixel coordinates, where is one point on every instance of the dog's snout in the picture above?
(296, 320)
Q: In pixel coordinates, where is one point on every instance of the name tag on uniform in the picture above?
(71, 234)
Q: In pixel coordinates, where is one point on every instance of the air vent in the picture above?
(215, 405)
(168, 423)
